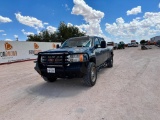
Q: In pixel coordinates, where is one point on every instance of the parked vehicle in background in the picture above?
(133, 41)
(129, 45)
(134, 44)
(110, 43)
(126, 45)
(151, 43)
(158, 43)
(121, 45)
(115, 45)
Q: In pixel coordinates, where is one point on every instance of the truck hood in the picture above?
(69, 50)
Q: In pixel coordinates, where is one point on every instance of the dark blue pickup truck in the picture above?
(78, 57)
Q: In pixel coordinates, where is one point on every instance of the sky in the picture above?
(115, 20)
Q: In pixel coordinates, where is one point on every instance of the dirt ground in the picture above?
(128, 91)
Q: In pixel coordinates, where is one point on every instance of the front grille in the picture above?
(54, 59)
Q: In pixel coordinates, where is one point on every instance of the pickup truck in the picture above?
(78, 57)
(121, 45)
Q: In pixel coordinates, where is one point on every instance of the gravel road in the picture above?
(128, 91)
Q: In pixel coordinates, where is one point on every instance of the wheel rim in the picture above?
(112, 61)
(93, 74)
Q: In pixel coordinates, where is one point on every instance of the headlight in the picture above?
(77, 58)
(43, 59)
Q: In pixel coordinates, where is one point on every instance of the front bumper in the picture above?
(74, 70)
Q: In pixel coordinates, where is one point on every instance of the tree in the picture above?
(63, 33)
(142, 42)
(43, 36)
(35, 37)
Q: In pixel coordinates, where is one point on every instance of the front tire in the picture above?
(91, 75)
(50, 79)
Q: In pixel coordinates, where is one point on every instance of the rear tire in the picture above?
(110, 62)
(91, 75)
(50, 79)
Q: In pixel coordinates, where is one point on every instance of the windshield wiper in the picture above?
(81, 46)
(66, 46)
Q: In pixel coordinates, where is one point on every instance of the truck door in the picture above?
(104, 53)
(97, 51)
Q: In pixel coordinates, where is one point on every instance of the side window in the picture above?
(100, 40)
(97, 42)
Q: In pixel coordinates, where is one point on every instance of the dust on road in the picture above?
(128, 91)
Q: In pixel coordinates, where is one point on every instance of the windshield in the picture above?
(76, 42)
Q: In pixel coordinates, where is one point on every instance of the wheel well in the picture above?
(112, 53)
(92, 60)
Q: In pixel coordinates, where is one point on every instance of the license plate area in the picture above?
(51, 70)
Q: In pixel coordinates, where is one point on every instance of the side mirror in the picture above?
(103, 44)
(57, 46)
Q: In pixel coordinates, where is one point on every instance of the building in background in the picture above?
(155, 39)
